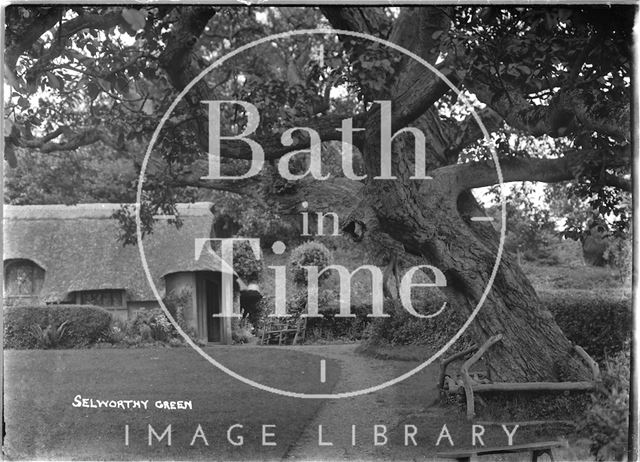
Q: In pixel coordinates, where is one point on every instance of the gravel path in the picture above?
(384, 407)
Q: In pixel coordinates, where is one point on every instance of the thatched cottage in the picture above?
(71, 254)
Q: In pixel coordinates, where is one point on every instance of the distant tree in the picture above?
(529, 225)
(87, 174)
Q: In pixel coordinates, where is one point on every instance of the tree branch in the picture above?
(46, 144)
(21, 40)
(177, 59)
(557, 119)
(469, 131)
(416, 89)
(618, 182)
(247, 187)
(369, 20)
(66, 31)
(480, 174)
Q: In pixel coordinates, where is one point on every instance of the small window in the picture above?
(22, 279)
(105, 298)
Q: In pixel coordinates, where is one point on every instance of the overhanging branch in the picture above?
(484, 173)
(67, 30)
(566, 111)
(21, 40)
(73, 140)
(416, 89)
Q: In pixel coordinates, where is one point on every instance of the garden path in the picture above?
(389, 406)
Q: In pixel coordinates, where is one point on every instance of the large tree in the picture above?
(105, 75)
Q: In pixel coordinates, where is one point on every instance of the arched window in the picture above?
(23, 281)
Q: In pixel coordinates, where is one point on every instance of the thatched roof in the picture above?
(78, 248)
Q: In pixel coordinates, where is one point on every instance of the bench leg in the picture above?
(538, 452)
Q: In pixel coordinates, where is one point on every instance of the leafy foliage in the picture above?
(245, 263)
(252, 305)
(309, 254)
(578, 203)
(126, 216)
(401, 328)
(84, 176)
(177, 303)
(50, 337)
(606, 421)
(253, 219)
(151, 324)
(619, 254)
(241, 331)
(329, 327)
(117, 332)
(528, 225)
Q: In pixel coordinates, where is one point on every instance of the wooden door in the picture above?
(212, 297)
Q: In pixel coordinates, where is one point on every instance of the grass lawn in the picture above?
(41, 422)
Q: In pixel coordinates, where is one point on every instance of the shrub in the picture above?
(241, 331)
(309, 254)
(151, 324)
(86, 324)
(598, 322)
(297, 303)
(263, 308)
(51, 337)
(402, 328)
(176, 302)
(619, 254)
(132, 340)
(330, 327)
(606, 422)
(116, 333)
(326, 326)
(245, 264)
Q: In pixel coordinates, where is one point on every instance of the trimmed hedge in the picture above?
(600, 322)
(86, 324)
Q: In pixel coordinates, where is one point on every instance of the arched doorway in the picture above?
(208, 299)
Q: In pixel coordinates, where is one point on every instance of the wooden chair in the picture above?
(284, 331)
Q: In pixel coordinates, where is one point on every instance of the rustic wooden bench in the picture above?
(536, 450)
(471, 386)
(284, 331)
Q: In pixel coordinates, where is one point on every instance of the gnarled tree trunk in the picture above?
(431, 219)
